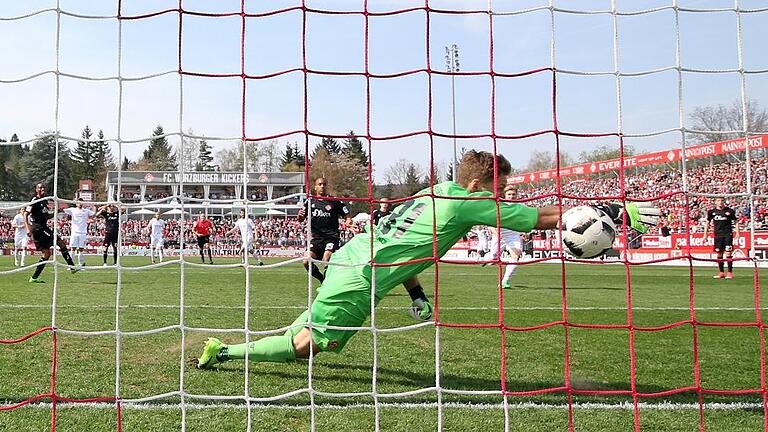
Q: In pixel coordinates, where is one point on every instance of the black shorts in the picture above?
(203, 240)
(724, 244)
(43, 237)
(319, 245)
(110, 238)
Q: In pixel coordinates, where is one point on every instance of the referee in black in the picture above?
(723, 220)
(37, 227)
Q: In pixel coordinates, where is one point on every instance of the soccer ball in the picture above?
(587, 232)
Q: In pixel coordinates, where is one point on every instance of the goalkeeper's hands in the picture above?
(640, 215)
(420, 310)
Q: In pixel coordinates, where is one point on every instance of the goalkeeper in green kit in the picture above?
(404, 236)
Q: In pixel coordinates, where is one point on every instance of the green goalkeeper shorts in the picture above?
(343, 300)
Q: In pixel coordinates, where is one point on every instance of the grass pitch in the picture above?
(150, 363)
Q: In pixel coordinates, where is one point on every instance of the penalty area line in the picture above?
(586, 406)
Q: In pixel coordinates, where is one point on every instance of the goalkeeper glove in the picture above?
(640, 215)
(420, 310)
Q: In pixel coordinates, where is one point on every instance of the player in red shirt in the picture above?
(203, 228)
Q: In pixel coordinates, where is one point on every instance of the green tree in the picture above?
(353, 148)
(85, 163)
(330, 145)
(346, 178)
(544, 160)
(159, 155)
(204, 157)
(38, 166)
(404, 178)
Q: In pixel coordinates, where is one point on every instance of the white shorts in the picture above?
(157, 242)
(78, 240)
(482, 245)
(20, 241)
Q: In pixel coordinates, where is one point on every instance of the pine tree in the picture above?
(126, 164)
(204, 157)
(85, 157)
(298, 156)
(353, 148)
(105, 158)
(287, 157)
(331, 146)
(159, 155)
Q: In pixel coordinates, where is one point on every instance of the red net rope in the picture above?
(430, 131)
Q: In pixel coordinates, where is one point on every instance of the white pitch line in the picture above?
(624, 406)
(447, 308)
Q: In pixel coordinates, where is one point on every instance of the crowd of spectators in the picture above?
(661, 184)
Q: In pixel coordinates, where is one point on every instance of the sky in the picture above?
(95, 48)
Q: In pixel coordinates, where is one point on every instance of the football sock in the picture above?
(417, 293)
(81, 257)
(730, 266)
(317, 274)
(67, 257)
(509, 272)
(269, 349)
(106, 249)
(39, 268)
(720, 263)
(209, 256)
(114, 254)
(202, 255)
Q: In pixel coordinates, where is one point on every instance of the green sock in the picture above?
(269, 349)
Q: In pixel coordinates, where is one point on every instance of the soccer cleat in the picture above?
(720, 275)
(75, 269)
(729, 275)
(105, 265)
(208, 359)
(506, 286)
(35, 280)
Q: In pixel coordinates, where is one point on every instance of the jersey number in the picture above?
(392, 220)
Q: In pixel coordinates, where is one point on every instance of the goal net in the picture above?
(604, 100)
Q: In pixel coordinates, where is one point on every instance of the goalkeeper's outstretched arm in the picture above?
(639, 216)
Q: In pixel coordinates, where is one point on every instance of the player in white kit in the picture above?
(79, 229)
(483, 245)
(20, 238)
(156, 240)
(510, 241)
(247, 229)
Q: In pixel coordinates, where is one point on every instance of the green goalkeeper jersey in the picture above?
(416, 226)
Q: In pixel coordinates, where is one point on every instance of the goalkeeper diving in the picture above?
(403, 243)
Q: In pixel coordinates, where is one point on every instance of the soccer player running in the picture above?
(36, 223)
(247, 229)
(111, 215)
(20, 238)
(723, 220)
(404, 241)
(156, 227)
(324, 224)
(78, 232)
(508, 240)
(203, 228)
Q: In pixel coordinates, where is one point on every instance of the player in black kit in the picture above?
(324, 224)
(382, 211)
(37, 227)
(111, 215)
(723, 219)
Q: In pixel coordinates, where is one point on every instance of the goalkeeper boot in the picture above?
(208, 358)
(36, 280)
(506, 285)
(420, 310)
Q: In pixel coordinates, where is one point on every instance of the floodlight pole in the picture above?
(452, 66)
